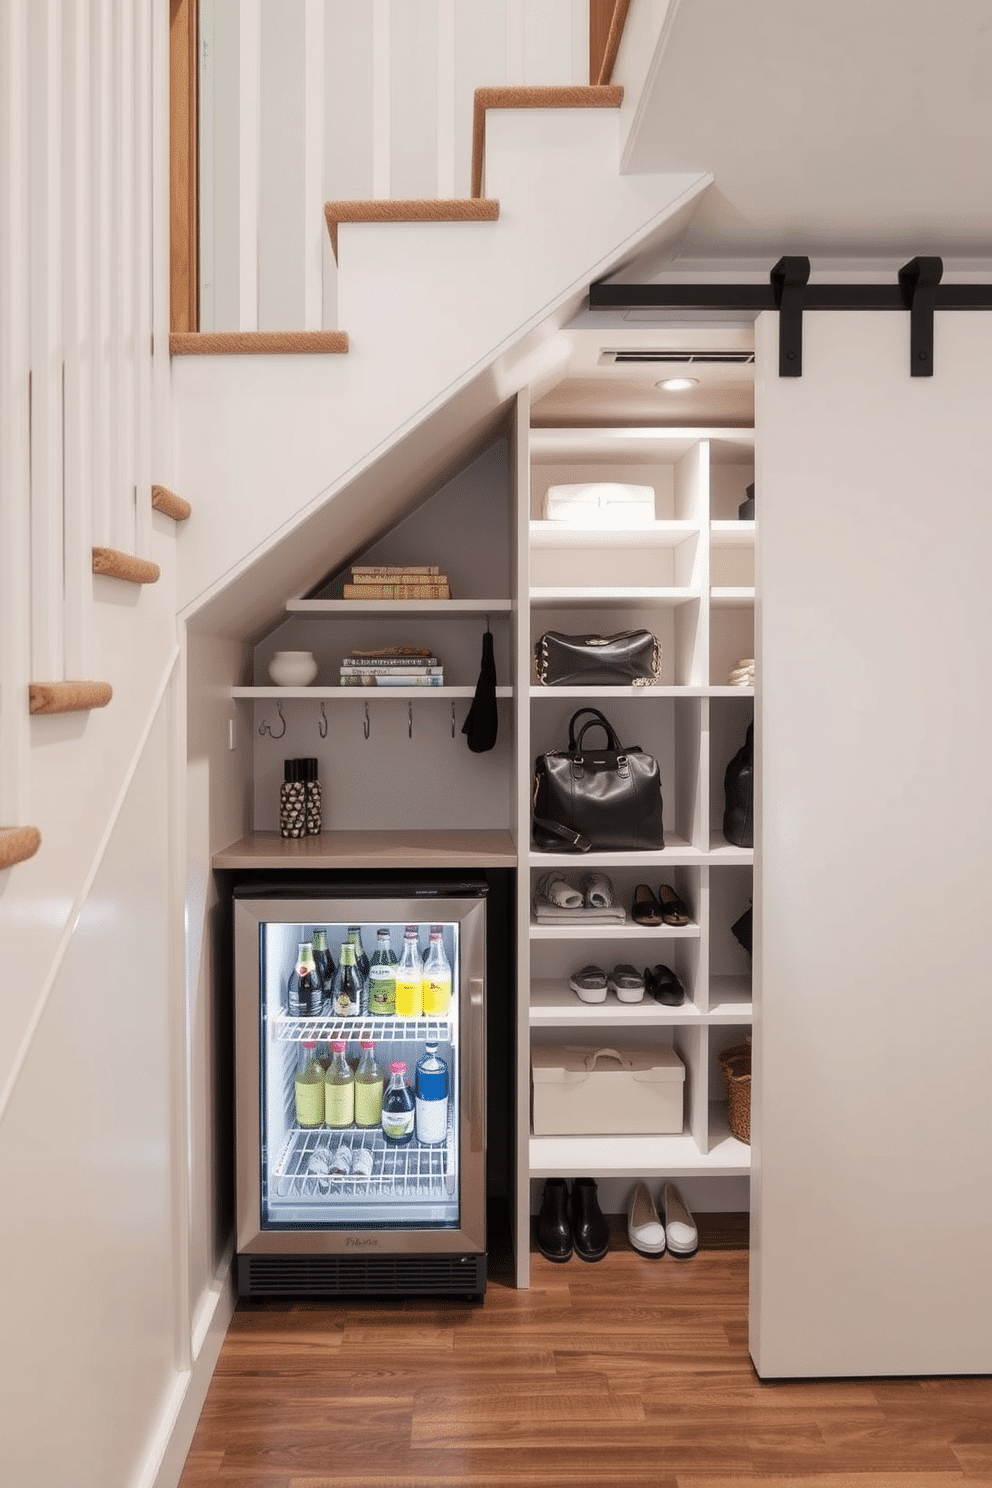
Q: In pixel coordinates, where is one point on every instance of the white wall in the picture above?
(873, 1021)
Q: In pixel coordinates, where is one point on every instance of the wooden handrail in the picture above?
(68, 697)
(184, 267)
(607, 19)
(117, 565)
(17, 844)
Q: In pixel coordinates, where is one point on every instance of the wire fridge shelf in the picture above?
(382, 1030)
(305, 1167)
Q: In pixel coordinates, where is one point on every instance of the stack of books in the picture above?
(402, 581)
(396, 666)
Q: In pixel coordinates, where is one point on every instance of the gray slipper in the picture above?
(626, 982)
(589, 983)
(558, 891)
(597, 891)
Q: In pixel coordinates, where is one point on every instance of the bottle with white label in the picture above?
(432, 1098)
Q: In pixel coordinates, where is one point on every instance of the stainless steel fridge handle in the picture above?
(477, 1045)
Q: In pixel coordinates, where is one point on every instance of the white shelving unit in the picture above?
(690, 579)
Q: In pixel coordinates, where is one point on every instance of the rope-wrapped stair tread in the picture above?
(116, 565)
(17, 844)
(565, 96)
(258, 343)
(414, 209)
(68, 697)
(170, 504)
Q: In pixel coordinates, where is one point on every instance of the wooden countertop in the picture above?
(483, 848)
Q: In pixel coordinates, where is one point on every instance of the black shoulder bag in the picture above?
(738, 790)
(608, 799)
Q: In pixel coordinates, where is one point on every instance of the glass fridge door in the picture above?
(318, 1170)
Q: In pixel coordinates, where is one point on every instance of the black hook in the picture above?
(266, 728)
(322, 723)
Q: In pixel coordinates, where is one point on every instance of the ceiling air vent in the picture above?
(635, 358)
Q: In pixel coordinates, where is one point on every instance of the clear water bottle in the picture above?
(382, 978)
(437, 977)
(398, 1107)
(432, 1098)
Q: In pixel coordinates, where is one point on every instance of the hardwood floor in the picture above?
(630, 1371)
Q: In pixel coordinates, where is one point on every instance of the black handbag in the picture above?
(738, 790)
(630, 659)
(608, 799)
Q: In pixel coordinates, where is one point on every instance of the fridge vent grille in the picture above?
(325, 1276)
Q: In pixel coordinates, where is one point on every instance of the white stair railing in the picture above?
(81, 294)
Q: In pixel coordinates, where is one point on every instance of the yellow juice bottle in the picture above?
(409, 977)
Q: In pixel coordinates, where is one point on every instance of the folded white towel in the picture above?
(553, 914)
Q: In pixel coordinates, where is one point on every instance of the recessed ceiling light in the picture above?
(677, 384)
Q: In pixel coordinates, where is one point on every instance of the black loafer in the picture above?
(661, 983)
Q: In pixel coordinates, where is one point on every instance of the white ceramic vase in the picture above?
(293, 668)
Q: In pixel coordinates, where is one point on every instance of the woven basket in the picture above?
(736, 1066)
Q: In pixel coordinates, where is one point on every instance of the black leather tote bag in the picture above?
(608, 799)
(738, 790)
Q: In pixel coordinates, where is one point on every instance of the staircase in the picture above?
(444, 305)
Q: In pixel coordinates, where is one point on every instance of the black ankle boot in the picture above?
(554, 1238)
(590, 1232)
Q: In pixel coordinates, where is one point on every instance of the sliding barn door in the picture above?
(872, 1114)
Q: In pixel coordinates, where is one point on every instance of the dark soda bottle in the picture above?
(347, 985)
(324, 961)
(398, 1107)
(306, 996)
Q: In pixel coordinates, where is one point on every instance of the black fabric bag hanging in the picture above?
(482, 721)
(738, 790)
(608, 799)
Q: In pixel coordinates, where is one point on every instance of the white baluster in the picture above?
(77, 300)
(446, 98)
(14, 446)
(45, 271)
(381, 99)
(314, 231)
(249, 18)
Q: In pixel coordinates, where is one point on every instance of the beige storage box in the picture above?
(592, 1091)
(600, 504)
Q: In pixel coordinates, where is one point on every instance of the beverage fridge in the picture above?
(360, 1099)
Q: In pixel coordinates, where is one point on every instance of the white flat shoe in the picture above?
(644, 1229)
(680, 1227)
